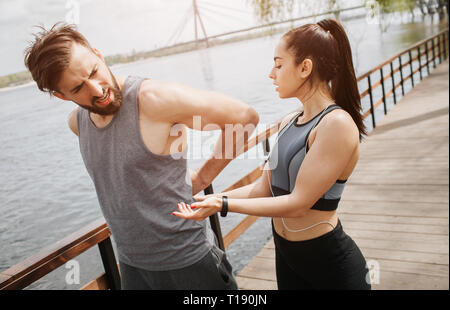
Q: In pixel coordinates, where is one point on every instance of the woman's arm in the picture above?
(257, 189)
(336, 140)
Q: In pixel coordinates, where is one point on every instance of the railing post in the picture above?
(411, 68)
(439, 49)
(434, 54)
(444, 47)
(214, 221)
(110, 264)
(426, 56)
(266, 146)
(382, 89)
(371, 101)
(393, 82)
(401, 74)
(420, 63)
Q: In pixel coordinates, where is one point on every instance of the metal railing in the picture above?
(97, 233)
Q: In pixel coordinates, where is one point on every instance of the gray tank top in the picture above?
(287, 156)
(138, 190)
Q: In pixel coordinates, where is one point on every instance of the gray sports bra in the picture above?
(288, 154)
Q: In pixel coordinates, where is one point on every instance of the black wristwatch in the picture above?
(224, 211)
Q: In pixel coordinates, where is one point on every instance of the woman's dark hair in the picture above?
(329, 49)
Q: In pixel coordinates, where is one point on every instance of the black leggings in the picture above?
(330, 261)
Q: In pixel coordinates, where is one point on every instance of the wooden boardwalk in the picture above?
(396, 203)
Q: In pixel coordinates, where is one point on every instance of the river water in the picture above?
(45, 191)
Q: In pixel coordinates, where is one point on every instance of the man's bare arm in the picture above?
(203, 110)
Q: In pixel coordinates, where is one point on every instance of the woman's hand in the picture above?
(203, 209)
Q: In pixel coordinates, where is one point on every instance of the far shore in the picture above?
(23, 79)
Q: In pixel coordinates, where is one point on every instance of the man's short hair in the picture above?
(49, 54)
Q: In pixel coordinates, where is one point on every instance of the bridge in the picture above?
(395, 205)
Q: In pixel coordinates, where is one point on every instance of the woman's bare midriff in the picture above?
(312, 217)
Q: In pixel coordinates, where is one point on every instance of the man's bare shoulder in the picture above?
(72, 121)
(154, 97)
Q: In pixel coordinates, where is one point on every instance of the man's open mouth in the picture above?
(106, 99)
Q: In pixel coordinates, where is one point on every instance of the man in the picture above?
(125, 128)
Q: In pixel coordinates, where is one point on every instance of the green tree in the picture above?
(387, 7)
(269, 10)
(276, 10)
(390, 6)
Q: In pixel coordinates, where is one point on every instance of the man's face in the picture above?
(89, 83)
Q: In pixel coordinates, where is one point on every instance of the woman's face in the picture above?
(286, 74)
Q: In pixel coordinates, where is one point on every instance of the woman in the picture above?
(316, 152)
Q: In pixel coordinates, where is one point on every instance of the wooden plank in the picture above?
(415, 120)
(414, 268)
(398, 177)
(412, 246)
(267, 252)
(399, 281)
(418, 212)
(260, 268)
(255, 284)
(398, 192)
(392, 165)
(436, 150)
(395, 235)
(101, 283)
(405, 256)
(393, 219)
(389, 227)
(437, 210)
(394, 208)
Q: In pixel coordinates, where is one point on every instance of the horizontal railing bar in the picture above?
(388, 75)
(420, 43)
(35, 267)
(252, 176)
(266, 134)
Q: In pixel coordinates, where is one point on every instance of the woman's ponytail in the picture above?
(327, 43)
(344, 87)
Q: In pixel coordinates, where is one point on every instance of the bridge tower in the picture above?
(197, 16)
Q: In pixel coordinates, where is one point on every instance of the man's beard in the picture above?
(113, 106)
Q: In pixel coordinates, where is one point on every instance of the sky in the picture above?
(116, 26)
(121, 26)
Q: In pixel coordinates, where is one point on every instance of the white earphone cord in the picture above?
(270, 187)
